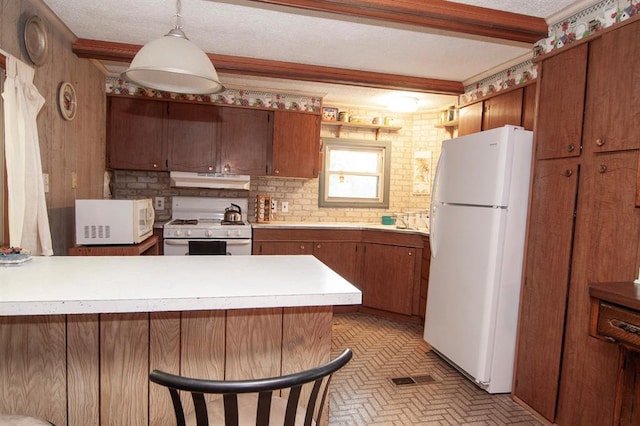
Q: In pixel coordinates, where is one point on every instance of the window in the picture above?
(355, 173)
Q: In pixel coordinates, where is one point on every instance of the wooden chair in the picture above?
(254, 402)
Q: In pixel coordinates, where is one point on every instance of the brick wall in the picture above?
(418, 133)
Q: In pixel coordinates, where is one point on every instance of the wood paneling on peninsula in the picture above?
(98, 364)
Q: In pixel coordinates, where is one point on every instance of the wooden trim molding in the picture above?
(434, 14)
(123, 52)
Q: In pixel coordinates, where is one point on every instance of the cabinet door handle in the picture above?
(603, 168)
(571, 147)
(210, 168)
(155, 166)
(600, 141)
(624, 326)
(276, 171)
(301, 246)
(568, 173)
(318, 246)
(410, 253)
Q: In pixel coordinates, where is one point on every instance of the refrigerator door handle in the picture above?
(433, 223)
(433, 235)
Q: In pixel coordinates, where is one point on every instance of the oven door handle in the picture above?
(238, 242)
(177, 242)
(185, 242)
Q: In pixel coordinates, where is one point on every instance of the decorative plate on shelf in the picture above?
(35, 40)
(67, 101)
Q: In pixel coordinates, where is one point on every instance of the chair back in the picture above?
(261, 402)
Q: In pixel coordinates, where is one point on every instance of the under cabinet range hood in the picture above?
(209, 180)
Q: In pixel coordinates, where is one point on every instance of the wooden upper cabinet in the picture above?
(470, 119)
(613, 94)
(503, 109)
(246, 141)
(516, 107)
(296, 144)
(135, 134)
(529, 106)
(562, 80)
(192, 136)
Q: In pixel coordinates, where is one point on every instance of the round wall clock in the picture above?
(67, 101)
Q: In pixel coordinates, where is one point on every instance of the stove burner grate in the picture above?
(185, 222)
(230, 222)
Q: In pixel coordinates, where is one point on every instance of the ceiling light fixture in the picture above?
(174, 64)
(403, 104)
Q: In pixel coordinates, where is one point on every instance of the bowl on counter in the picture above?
(388, 220)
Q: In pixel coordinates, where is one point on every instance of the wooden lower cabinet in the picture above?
(336, 249)
(539, 348)
(388, 274)
(388, 267)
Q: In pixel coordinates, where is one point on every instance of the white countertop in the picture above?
(336, 225)
(107, 284)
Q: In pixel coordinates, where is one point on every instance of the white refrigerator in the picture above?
(477, 232)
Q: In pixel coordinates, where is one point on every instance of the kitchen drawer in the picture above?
(619, 323)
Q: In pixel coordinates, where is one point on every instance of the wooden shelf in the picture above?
(453, 123)
(147, 247)
(377, 127)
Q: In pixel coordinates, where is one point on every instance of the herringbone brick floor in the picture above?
(362, 393)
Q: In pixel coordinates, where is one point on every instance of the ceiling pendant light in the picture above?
(174, 64)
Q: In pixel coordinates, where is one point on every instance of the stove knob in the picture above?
(208, 232)
(178, 232)
(188, 232)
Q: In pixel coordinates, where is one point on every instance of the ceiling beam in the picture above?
(434, 14)
(123, 52)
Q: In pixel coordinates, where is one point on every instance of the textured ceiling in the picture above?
(255, 30)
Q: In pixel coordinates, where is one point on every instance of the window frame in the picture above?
(374, 145)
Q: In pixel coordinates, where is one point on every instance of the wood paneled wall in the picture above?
(66, 147)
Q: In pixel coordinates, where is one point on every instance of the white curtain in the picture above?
(28, 219)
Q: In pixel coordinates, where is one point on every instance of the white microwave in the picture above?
(114, 221)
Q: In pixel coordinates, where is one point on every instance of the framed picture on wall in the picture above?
(422, 173)
(329, 114)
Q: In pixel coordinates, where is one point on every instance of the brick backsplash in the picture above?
(418, 133)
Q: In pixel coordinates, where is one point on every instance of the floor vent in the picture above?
(399, 381)
(424, 379)
(402, 381)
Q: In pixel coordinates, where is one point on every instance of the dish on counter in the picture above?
(12, 256)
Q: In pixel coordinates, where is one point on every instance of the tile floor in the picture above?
(362, 393)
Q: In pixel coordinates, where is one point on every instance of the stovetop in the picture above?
(203, 223)
(203, 217)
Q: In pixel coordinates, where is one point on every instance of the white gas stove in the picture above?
(197, 226)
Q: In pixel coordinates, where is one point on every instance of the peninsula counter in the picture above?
(79, 335)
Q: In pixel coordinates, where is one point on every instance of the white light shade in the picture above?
(403, 104)
(174, 64)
